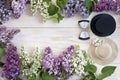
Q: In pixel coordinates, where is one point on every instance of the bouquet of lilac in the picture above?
(18, 7)
(48, 61)
(30, 64)
(108, 5)
(40, 5)
(75, 6)
(11, 68)
(105, 5)
(66, 60)
(9, 8)
(118, 7)
(79, 60)
(6, 35)
(5, 11)
(59, 66)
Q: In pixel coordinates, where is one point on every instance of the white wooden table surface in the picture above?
(58, 36)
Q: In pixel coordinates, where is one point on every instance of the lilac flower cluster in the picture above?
(79, 60)
(75, 6)
(9, 8)
(5, 3)
(6, 36)
(27, 1)
(66, 59)
(48, 61)
(30, 64)
(65, 63)
(11, 68)
(5, 11)
(108, 5)
(18, 7)
(118, 7)
(59, 64)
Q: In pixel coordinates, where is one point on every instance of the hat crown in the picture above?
(104, 51)
(103, 25)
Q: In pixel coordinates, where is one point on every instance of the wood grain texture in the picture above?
(58, 36)
(27, 20)
(59, 39)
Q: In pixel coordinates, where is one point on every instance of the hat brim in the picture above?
(107, 60)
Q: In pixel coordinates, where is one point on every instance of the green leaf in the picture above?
(59, 17)
(106, 71)
(90, 76)
(90, 68)
(1, 64)
(47, 76)
(96, 1)
(89, 5)
(38, 75)
(52, 10)
(2, 52)
(48, 1)
(18, 78)
(61, 3)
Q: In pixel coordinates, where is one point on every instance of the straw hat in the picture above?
(103, 51)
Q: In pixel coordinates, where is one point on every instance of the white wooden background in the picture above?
(34, 33)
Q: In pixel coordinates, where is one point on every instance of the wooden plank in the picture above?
(57, 38)
(27, 20)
